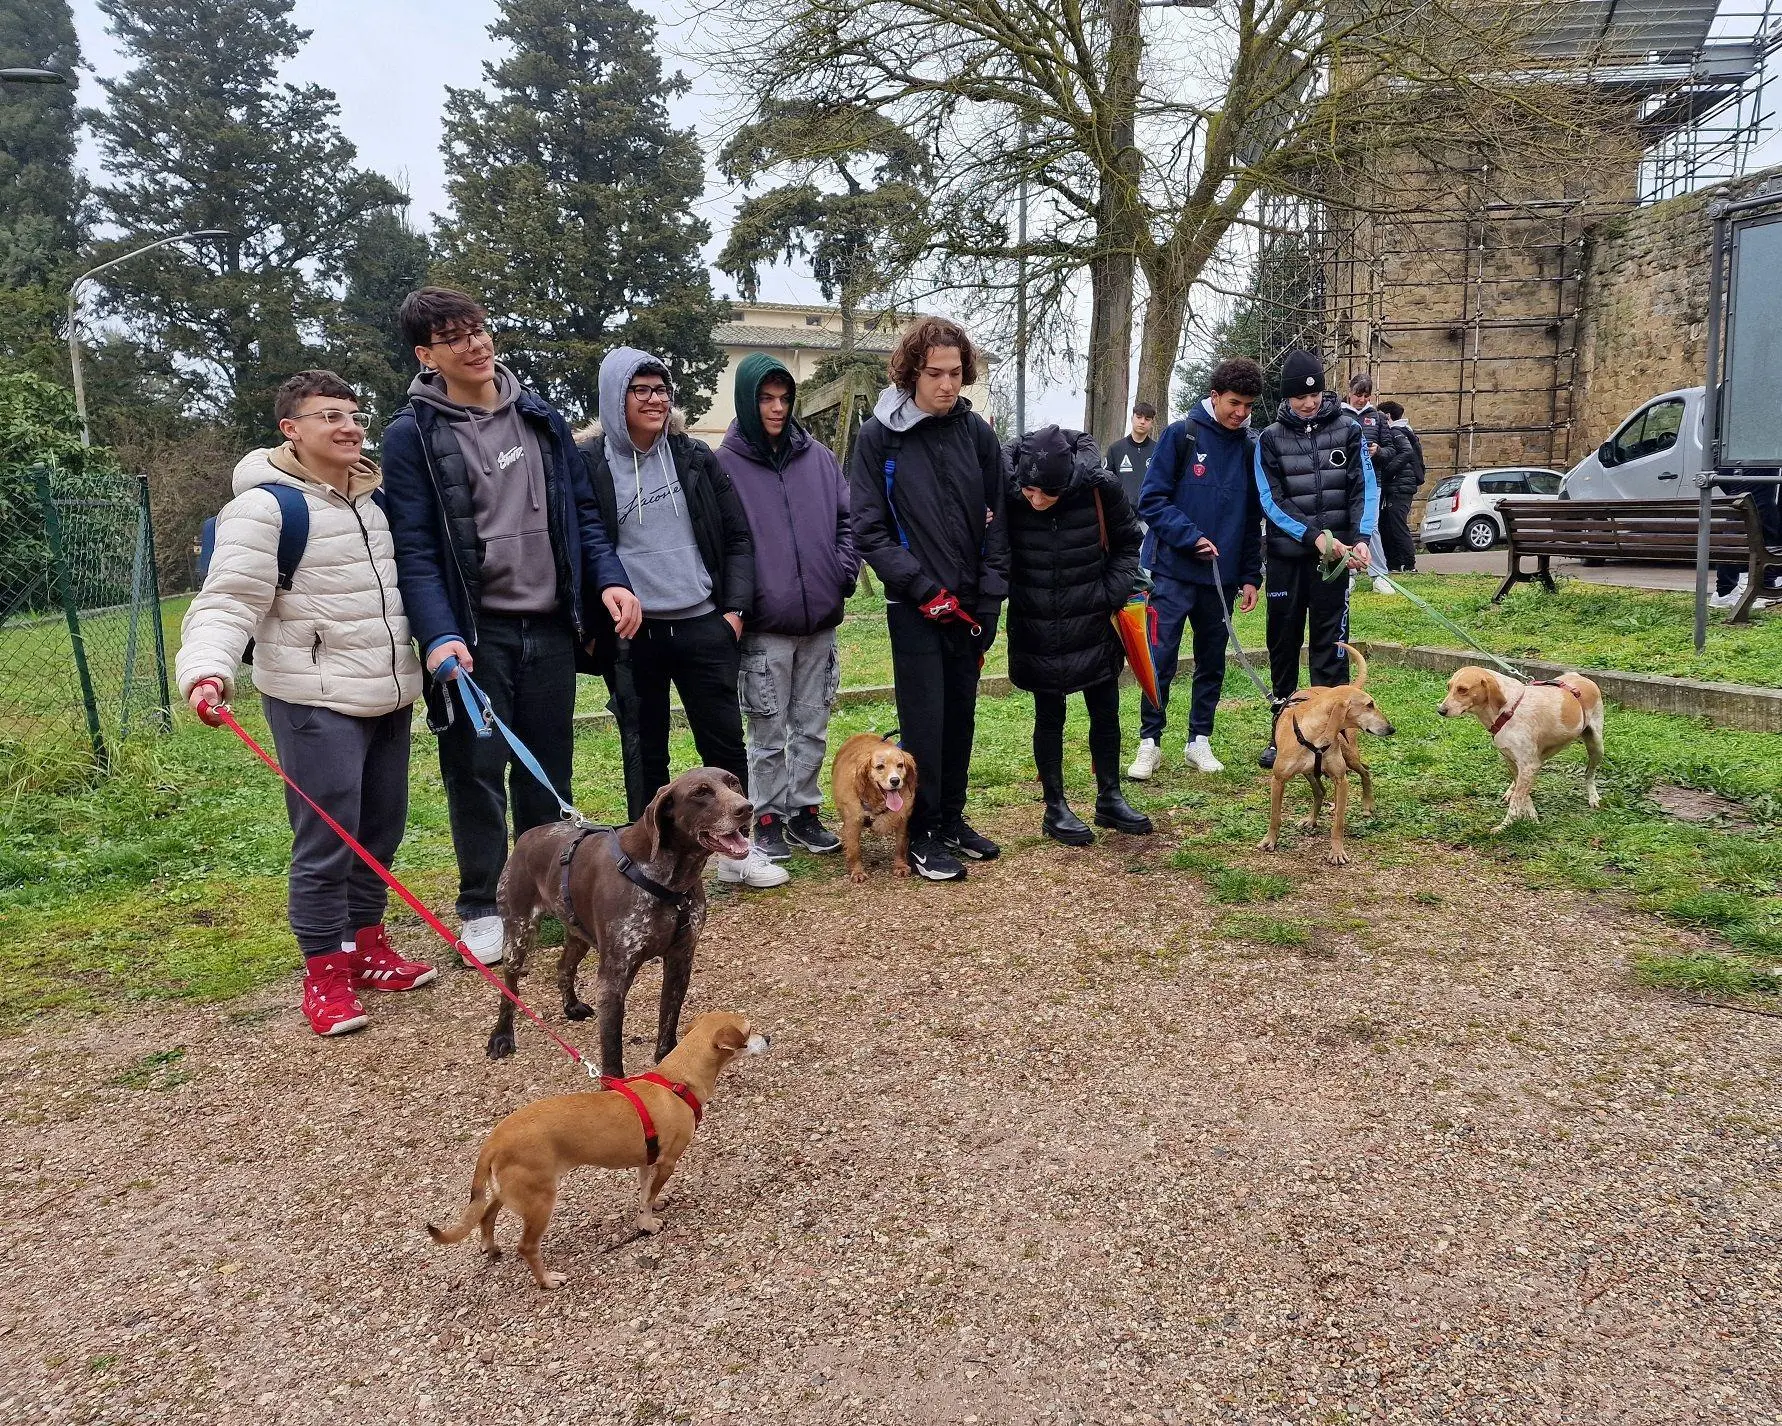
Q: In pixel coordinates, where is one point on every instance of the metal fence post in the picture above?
(154, 579)
(64, 586)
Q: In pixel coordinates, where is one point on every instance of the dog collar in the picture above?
(623, 1086)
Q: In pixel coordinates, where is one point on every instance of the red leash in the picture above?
(225, 717)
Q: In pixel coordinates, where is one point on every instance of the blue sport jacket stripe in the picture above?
(1370, 493)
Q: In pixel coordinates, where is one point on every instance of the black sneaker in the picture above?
(770, 838)
(962, 839)
(805, 829)
(1266, 758)
(932, 861)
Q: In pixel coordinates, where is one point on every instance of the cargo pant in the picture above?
(788, 685)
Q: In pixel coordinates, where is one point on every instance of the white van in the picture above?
(1655, 454)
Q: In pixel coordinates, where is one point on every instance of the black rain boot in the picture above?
(1113, 810)
(1060, 823)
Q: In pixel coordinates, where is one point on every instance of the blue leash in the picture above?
(484, 720)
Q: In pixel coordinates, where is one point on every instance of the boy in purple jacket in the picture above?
(796, 501)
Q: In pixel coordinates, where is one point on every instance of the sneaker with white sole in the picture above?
(753, 870)
(1199, 755)
(1383, 585)
(1731, 598)
(485, 938)
(1146, 761)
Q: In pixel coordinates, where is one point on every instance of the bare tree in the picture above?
(1154, 154)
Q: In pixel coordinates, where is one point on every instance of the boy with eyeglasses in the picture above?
(335, 674)
(685, 545)
(505, 567)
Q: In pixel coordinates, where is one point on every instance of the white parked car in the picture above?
(1462, 510)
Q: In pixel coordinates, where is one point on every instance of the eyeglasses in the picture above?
(462, 342)
(645, 394)
(334, 418)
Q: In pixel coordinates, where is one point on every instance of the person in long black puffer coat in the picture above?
(1074, 556)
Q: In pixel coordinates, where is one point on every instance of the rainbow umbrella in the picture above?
(1136, 624)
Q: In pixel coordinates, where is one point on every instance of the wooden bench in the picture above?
(1643, 531)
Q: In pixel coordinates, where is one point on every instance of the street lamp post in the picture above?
(80, 392)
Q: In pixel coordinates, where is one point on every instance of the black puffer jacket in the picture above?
(1315, 476)
(1394, 464)
(1062, 584)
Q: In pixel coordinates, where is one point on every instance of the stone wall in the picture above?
(1644, 309)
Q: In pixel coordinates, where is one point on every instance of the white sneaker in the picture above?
(753, 870)
(1199, 756)
(1383, 585)
(1148, 760)
(1731, 598)
(484, 937)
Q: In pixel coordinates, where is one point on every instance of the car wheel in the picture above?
(1479, 535)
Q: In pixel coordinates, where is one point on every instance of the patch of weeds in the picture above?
(161, 1070)
(1238, 887)
(1705, 973)
(253, 1017)
(1267, 930)
(1427, 898)
(1196, 857)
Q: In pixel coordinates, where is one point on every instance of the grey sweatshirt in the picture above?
(655, 540)
(507, 491)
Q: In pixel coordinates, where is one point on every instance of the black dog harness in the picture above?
(629, 869)
(1311, 747)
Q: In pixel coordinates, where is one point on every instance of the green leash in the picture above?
(1450, 625)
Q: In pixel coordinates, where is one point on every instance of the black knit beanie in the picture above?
(1302, 374)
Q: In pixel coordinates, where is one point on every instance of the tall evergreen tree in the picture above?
(200, 134)
(42, 196)
(573, 201)
(386, 262)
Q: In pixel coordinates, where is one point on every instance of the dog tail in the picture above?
(478, 1206)
(1360, 678)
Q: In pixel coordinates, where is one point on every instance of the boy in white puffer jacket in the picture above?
(336, 676)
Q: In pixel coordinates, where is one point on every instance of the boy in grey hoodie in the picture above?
(684, 542)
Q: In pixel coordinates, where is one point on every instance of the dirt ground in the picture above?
(1042, 1147)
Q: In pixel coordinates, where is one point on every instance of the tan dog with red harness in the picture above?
(1529, 723)
(645, 1122)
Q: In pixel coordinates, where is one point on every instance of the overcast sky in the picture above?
(390, 61)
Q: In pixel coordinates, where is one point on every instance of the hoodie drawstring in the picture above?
(637, 476)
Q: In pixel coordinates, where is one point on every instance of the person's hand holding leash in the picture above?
(450, 649)
(1359, 555)
(1246, 599)
(625, 608)
(941, 607)
(205, 697)
(1204, 549)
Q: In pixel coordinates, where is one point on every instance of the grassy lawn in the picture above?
(167, 880)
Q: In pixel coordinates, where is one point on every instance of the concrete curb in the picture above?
(1731, 705)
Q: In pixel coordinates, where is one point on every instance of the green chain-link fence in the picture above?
(83, 660)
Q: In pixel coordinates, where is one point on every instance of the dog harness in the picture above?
(629, 869)
(1311, 747)
(1515, 703)
(680, 1091)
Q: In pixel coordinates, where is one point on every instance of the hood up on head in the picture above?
(617, 368)
(752, 373)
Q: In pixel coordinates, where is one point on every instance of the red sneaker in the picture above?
(328, 997)
(378, 966)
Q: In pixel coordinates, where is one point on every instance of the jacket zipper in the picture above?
(383, 598)
(797, 559)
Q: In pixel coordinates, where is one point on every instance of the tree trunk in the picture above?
(1109, 377)
(1165, 315)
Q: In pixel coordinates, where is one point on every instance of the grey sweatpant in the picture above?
(356, 768)
(788, 685)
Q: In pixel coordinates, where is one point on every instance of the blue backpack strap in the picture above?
(293, 530)
(893, 444)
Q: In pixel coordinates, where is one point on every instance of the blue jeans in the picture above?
(1179, 603)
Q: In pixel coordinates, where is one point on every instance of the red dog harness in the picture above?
(680, 1091)
(1510, 712)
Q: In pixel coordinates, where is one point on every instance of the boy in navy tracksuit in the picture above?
(1201, 504)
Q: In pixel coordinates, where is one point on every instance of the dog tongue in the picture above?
(894, 802)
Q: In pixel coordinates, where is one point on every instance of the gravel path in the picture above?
(1039, 1148)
